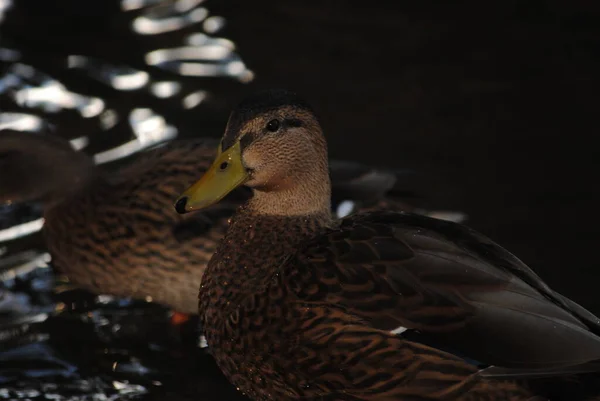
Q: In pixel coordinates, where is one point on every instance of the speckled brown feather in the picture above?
(126, 239)
(275, 341)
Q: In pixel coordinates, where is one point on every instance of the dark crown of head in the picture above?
(257, 104)
(271, 99)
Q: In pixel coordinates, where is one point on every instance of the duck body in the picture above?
(298, 305)
(108, 239)
(114, 232)
(278, 334)
(322, 322)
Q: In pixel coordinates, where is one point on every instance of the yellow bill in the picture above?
(225, 174)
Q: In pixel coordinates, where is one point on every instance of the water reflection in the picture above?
(149, 128)
(129, 5)
(38, 92)
(109, 119)
(52, 97)
(20, 121)
(4, 6)
(21, 230)
(199, 54)
(119, 77)
(206, 52)
(214, 24)
(7, 54)
(79, 143)
(61, 342)
(204, 57)
(15, 265)
(165, 89)
(31, 88)
(194, 99)
(71, 343)
(155, 24)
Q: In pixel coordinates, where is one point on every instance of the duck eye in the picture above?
(223, 165)
(273, 125)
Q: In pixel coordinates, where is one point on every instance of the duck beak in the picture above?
(225, 174)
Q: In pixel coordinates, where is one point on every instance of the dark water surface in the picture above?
(497, 103)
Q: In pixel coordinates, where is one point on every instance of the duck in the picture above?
(113, 231)
(297, 304)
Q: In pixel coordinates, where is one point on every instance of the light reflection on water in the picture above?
(193, 99)
(110, 107)
(204, 57)
(213, 24)
(79, 143)
(119, 77)
(199, 54)
(129, 5)
(165, 89)
(149, 128)
(20, 122)
(32, 89)
(4, 6)
(153, 24)
(21, 230)
(52, 97)
(9, 54)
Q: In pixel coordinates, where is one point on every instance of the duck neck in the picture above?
(254, 246)
(310, 195)
(283, 213)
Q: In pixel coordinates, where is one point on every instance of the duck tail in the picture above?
(40, 167)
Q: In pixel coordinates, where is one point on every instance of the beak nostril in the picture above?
(180, 205)
(223, 165)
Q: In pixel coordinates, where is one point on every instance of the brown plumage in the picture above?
(117, 233)
(297, 305)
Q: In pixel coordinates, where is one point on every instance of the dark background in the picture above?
(498, 101)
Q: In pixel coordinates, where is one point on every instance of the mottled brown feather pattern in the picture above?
(290, 187)
(276, 336)
(125, 239)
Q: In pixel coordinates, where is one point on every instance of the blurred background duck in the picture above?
(115, 231)
(297, 304)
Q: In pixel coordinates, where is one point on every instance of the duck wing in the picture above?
(448, 283)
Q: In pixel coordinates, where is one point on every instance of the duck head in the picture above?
(273, 143)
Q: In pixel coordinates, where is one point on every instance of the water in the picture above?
(498, 104)
(68, 78)
(62, 343)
